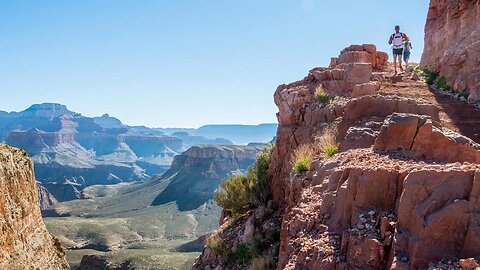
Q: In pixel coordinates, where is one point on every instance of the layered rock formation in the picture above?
(136, 221)
(199, 170)
(401, 193)
(83, 151)
(24, 240)
(452, 46)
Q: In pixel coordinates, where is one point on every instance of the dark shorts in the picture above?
(406, 55)
(398, 51)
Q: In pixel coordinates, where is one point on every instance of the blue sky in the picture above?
(182, 63)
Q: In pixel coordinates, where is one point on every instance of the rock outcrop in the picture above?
(401, 192)
(45, 198)
(24, 240)
(197, 172)
(452, 43)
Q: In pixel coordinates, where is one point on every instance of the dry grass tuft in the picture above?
(327, 141)
(302, 157)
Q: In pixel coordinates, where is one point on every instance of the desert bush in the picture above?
(430, 77)
(441, 83)
(259, 177)
(233, 195)
(320, 95)
(242, 254)
(240, 193)
(302, 157)
(215, 242)
(327, 141)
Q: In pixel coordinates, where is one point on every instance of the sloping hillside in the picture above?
(162, 211)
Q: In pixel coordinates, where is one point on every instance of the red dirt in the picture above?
(455, 114)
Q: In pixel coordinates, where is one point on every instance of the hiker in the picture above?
(406, 52)
(397, 39)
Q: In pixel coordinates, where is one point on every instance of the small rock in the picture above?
(469, 263)
(360, 226)
(404, 259)
(371, 213)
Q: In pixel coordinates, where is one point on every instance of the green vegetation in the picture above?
(260, 252)
(330, 150)
(320, 95)
(242, 254)
(216, 243)
(464, 94)
(240, 193)
(327, 141)
(430, 77)
(441, 83)
(302, 157)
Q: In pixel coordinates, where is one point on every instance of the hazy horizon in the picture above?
(181, 64)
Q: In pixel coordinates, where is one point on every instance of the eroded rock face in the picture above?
(401, 192)
(452, 35)
(25, 242)
(198, 172)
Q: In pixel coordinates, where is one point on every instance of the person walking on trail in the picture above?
(406, 52)
(397, 39)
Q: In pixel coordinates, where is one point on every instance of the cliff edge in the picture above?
(25, 242)
(399, 190)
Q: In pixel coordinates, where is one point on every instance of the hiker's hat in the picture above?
(397, 26)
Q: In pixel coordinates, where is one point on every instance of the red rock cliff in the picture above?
(24, 240)
(452, 43)
(402, 192)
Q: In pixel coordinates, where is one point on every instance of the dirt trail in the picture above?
(455, 115)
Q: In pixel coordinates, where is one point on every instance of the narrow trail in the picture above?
(455, 114)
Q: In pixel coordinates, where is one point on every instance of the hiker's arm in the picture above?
(390, 40)
(406, 37)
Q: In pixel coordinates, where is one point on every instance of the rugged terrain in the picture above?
(24, 240)
(452, 43)
(401, 192)
(71, 151)
(144, 223)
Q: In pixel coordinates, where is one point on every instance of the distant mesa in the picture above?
(85, 151)
(196, 173)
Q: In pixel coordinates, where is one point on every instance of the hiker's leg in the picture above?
(395, 62)
(400, 62)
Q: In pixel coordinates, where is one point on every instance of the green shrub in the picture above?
(302, 164)
(430, 77)
(330, 150)
(259, 177)
(441, 83)
(464, 94)
(240, 193)
(242, 254)
(233, 195)
(327, 141)
(320, 95)
(302, 157)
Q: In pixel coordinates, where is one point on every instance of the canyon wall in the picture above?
(24, 240)
(389, 198)
(452, 43)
